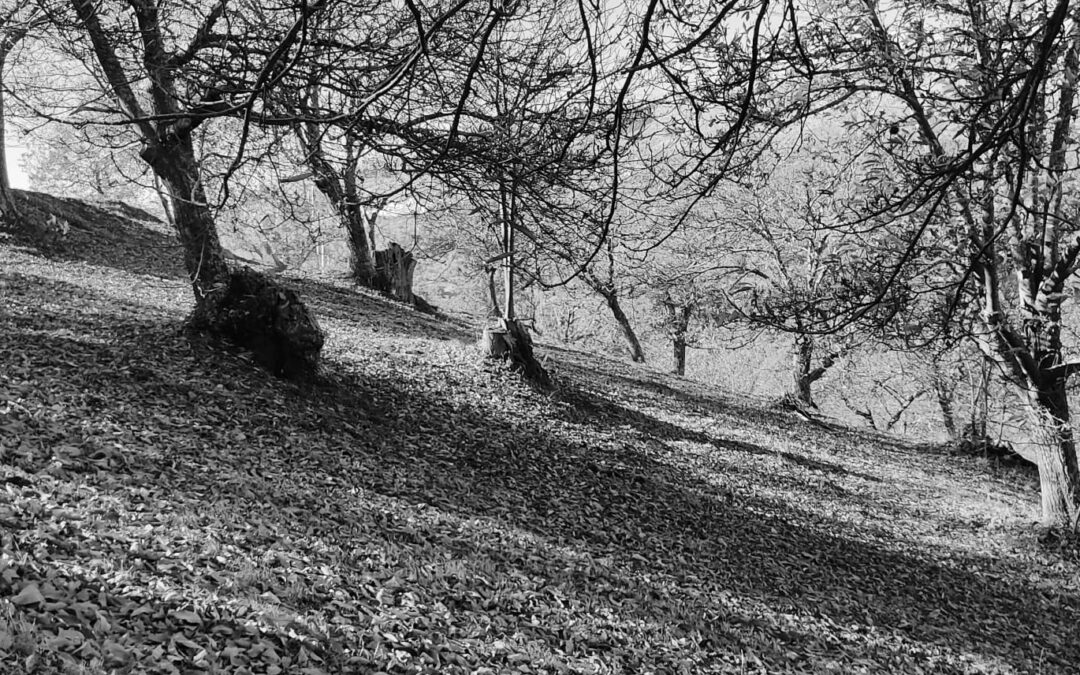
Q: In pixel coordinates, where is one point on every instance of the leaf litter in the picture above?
(165, 507)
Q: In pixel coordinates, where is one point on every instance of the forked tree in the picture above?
(156, 61)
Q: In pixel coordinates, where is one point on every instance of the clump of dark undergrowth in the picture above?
(269, 319)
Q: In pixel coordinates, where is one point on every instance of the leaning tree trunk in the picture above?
(339, 188)
(363, 264)
(243, 306)
(637, 354)
(204, 258)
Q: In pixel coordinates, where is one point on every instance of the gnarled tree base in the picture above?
(510, 341)
(270, 320)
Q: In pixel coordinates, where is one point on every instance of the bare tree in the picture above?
(159, 87)
(979, 103)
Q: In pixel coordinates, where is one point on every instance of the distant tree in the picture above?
(803, 268)
(338, 150)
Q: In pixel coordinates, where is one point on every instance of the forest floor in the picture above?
(167, 507)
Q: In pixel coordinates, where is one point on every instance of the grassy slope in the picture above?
(166, 507)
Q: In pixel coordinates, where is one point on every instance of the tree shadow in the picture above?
(583, 406)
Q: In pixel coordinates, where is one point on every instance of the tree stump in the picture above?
(396, 265)
(510, 341)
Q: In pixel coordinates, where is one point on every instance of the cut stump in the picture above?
(395, 266)
(509, 341)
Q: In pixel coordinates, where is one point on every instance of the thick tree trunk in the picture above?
(363, 257)
(802, 363)
(243, 306)
(678, 354)
(204, 258)
(1059, 469)
(1034, 358)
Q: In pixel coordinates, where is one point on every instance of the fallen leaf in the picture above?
(29, 595)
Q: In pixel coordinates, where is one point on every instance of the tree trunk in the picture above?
(363, 258)
(1059, 470)
(243, 306)
(945, 394)
(204, 258)
(8, 212)
(680, 326)
(11, 35)
(804, 375)
(510, 341)
(802, 362)
(678, 354)
(637, 354)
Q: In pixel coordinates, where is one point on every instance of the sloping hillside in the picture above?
(166, 507)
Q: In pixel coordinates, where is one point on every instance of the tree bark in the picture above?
(681, 324)
(678, 354)
(340, 189)
(510, 341)
(945, 394)
(1035, 361)
(801, 366)
(8, 213)
(175, 164)
(395, 267)
(804, 374)
(363, 259)
(1059, 470)
(637, 353)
